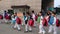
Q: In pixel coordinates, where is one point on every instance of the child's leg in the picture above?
(30, 28)
(55, 30)
(40, 28)
(23, 23)
(34, 23)
(18, 26)
(15, 25)
(0, 20)
(26, 27)
(43, 30)
(50, 28)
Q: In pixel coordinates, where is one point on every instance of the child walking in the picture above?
(24, 16)
(40, 19)
(52, 23)
(28, 22)
(18, 23)
(33, 16)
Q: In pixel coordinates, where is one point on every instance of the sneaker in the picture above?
(19, 30)
(39, 32)
(49, 31)
(54, 33)
(43, 32)
(25, 31)
(30, 30)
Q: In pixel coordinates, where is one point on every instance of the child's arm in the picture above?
(54, 21)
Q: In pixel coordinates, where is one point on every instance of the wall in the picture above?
(34, 4)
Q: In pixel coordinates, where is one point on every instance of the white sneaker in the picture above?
(54, 33)
(49, 31)
(43, 32)
(39, 32)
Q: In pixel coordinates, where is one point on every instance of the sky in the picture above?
(56, 3)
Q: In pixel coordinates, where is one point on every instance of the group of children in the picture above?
(30, 21)
(50, 19)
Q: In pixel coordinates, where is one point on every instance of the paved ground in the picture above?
(6, 29)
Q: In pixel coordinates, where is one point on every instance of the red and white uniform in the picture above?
(33, 16)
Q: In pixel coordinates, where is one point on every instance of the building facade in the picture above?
(34, 4)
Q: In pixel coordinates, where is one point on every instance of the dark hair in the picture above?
(54, 13)
(28, 13)
(4, 11)
(40, 12)
(23, 13)
(31, 17)
(33, 11)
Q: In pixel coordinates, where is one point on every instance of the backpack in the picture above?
(1, 17)
(45, 23)
(7, 17)
(36, 17)
(31, 22)
(57, 22)
(18, 20)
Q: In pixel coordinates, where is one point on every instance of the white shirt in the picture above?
(54, 20)
(41, 20)
(47, 18)
(13, 18)
(26, 18)
(33, 16)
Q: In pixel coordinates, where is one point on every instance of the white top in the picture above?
(47, 18)
(33, 16)
(26, 18)
(41, 20)
(13, 18)
(54, 20)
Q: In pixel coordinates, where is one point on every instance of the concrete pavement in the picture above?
(6, 29)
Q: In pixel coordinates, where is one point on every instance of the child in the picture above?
(26, 21)
(13, 20)
(33, 16)
(31, 23)
(52, 23)
(41, 29)
(24, 16)
(46, 19)
(18, 22)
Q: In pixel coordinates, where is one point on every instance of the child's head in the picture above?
(33, 11)
(5, 11)
(53, 13)
(40, 13)
(23, 13)
(15, 13)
